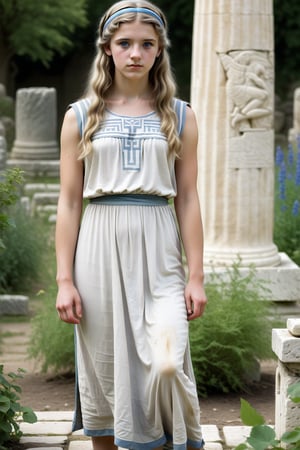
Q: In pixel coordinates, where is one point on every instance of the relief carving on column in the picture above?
(249, 84)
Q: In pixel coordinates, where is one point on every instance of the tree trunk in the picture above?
(5, 57)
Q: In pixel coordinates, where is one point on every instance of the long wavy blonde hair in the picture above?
(160, 77)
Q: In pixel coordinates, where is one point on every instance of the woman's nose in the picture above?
(136, 51)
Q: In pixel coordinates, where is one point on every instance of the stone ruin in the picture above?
(232, 94)
(286, 346)
(35, 149)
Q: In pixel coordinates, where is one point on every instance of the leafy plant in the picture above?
(10, 409)
(9, 194)
(263, 436)
(38, 30)
(233, 334)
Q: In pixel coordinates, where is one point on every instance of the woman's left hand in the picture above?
(195, 299)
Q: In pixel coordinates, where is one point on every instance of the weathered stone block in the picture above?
(13, 305)
(285, 346)
(293, 325)
(287, 413)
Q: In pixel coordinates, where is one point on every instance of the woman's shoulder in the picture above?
(180, 107)
(80, 107)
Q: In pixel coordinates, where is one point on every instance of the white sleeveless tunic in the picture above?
(134, 370)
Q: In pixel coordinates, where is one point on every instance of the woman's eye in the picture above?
(124, 44)
(148, 44)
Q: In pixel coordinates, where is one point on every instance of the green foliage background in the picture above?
(39, 29)
(22, 260)
(44, 31)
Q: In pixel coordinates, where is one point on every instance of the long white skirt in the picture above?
(134, 369)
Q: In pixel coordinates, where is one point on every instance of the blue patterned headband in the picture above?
(133, 10)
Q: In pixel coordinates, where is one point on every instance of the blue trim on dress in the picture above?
(158, 443)
(99, 433)
(130, 199)
(138, 445)
(145, 445)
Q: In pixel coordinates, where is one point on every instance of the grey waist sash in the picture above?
(130, 199)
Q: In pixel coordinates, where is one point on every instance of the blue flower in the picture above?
(279, 156)
(297, 178)
(290, 155)
(281, 180)
(298, 141)
(295, 209)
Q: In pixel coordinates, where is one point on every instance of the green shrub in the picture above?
(25, 246)
(10, 182)
(233, 334)
(11, 410)
(47, 328)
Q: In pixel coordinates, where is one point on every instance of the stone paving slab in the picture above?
(211, 433)
(49, 416)
(80, 445)
(47, 428)
(55, 441)
(235, 435)
(213, 446)
(43, 448)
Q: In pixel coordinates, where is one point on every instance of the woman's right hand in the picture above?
(68, 303)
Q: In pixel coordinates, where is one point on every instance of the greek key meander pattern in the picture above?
(132, 131)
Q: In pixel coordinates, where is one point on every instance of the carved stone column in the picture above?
(294, 132)
(232, 95)
(36, 125)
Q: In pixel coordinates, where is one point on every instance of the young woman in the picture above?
(129, 146)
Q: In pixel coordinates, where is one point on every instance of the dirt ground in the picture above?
(43, 392)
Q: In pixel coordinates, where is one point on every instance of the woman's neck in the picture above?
(131, 100)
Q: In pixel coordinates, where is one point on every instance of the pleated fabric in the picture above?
(134, 371)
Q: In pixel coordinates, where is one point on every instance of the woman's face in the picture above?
(134, 48)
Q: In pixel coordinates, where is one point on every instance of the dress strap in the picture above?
(180, 109)
(81, 108)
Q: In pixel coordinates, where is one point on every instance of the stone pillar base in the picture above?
(36, 168)
(35, 150)
(260, 257)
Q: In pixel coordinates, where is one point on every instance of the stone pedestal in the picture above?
(286, 346)
(36, 125)
(232, 96)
